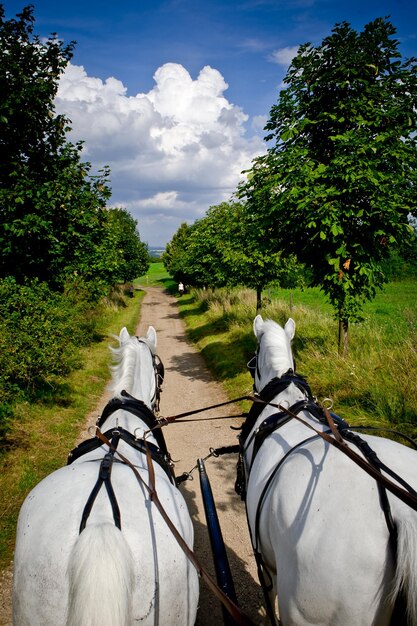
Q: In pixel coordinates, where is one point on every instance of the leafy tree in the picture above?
(339, 183)
(52, 211)
(208, 250)
(226, 248)
(131, 257)
(257, 262)
(175, 256)
(30, 133)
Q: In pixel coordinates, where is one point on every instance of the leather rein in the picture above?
(338, 432)
(158, 454)
(334, 437)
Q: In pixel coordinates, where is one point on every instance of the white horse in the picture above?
(315, 516)
(73, 565)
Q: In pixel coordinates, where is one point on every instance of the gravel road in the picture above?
(188, 385)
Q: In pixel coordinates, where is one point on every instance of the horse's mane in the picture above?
(123, 368)
(276, 344)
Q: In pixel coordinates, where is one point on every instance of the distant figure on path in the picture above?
(180, 288)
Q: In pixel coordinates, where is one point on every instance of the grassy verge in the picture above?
(42, 434)
(375, 385)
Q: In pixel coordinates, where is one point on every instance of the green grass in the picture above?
(43, 433)
(374, 385)
(157, 276)
(392, 311)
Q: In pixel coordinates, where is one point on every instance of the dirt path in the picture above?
(188, 385)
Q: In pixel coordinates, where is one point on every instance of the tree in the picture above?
(175, 256)
(52, 210)
(227, 248)
(340, 181)
(258, 263)
(30, 133)
(131, 257)
(209, 250)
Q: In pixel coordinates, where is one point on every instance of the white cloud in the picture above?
(254, 45)
(173, 151)
(259, 122)
(162, 200)
(283, 56)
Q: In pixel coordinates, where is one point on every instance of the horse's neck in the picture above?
(137, 375)
(134, 374)
(269, 370)
(127, 421)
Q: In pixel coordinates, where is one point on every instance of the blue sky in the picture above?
(173, 94)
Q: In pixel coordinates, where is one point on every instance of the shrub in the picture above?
(40, 335)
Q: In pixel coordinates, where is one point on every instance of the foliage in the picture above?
(175, 258)
(53, 218)
(121, 251)
(337, 187)
(228, 247)
(30, 133)
(210, 255)
(39, 333)
(222, 245)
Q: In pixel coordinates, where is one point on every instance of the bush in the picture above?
(40, 333)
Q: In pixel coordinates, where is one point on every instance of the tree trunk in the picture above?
(258, 299)
(343, 342)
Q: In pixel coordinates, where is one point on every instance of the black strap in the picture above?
(276, 420)
(268, 393)
(94, 443)
(104, 476)
(138, 408)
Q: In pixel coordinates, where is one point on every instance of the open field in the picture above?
(157, 276)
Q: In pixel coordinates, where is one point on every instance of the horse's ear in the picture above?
(258, 324)
(290, 329)
(151, 338)
(124, 336)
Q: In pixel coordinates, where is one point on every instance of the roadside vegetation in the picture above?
(373, 385)
(64, 254)
(43, 430)
(67, 262)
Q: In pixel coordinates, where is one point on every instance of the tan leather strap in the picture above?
(408, 498)
(238, 615)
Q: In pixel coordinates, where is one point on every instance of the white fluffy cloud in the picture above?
(284, 56)
(173, 151)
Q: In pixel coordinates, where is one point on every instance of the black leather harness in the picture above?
(276, 420)
(159, 453)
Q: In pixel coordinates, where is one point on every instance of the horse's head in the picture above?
(273, 357)
(137, 368)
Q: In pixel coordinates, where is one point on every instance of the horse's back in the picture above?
(322, 515)
(48, 529)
